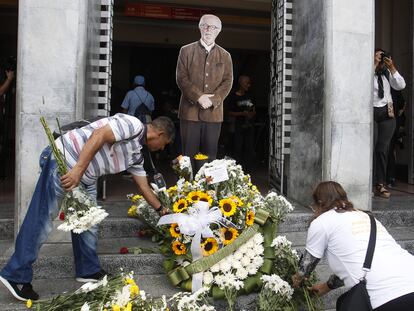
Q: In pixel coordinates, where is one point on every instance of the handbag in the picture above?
(357, 297)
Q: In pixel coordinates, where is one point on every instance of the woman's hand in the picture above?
(320, 289)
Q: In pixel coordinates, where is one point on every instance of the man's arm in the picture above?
(189, 90)
(5, 86)
(99, 137)
(224, 88)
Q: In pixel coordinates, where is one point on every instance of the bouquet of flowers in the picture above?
(182, 166)
(78, 211)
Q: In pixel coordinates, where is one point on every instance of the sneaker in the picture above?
(93, 277)
(21, 292)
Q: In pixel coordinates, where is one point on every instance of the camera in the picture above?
(10, 64)
(384, 55)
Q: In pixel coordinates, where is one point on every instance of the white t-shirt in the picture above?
(343, 238)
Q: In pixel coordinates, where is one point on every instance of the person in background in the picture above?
(139, 102)
(107, 146)
(242, 109)
(341, 233)
(204, 75)
(386, 77)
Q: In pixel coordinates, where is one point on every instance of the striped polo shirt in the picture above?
(124, 154)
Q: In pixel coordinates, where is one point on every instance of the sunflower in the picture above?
(200, 156)
(249, 218)
(136, 197)
(132, 211)
(193, 196)
(175, 231)
(209, 246)
(228, 207)
(228, 235)
(178, 248)
(237, 200)
(180, 206)
(205, 197)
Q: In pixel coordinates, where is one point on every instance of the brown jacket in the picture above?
(198, 73)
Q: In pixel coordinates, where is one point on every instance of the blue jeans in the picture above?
(37, 225)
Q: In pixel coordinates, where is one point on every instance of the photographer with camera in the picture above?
(386, 77)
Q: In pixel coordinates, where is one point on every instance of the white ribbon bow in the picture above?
(196, 224)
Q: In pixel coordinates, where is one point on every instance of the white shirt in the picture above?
(343, 239)
(397, 82)
(207, 47)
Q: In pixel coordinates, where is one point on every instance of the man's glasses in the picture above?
(206, 27)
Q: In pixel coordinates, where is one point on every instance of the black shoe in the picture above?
(93, 277)
(22, 292)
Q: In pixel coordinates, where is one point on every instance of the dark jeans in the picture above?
(243, 145)
(403, 303)
(199, 136)
(37, 225)
(383, 131)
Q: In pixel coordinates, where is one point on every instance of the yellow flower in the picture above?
(180, 206)
(134, 291)
(116, 308)
(130, 281)
(172, 190)
(178, 248)
(205, 197)
(29, 304)
(132, 211)
(193, 196)
(136, 197)
(175, 231)
(237, 200)
(228, 207)
(210, 246)
(249, 218)
(128, 307)
(200, 156)
(228, 235)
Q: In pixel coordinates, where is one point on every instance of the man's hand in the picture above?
(390, 65)
(297, 280)
(320, 289)
(71, 179)
(205, 101)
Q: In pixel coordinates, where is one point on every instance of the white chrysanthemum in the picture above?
(251, 254)
(90, 286)
(277, 285)
(245, 261)
(241, 273)
(238, 255)
(258, 238)
(225, 266)
(85, 307)
(250, 243)
(143, 295)
(281, 241)
(257, 261)
(252, 269)
(208, 278)
(215, 268)
(295, 254)
(122, 297)
(258, 249)
(237, 264)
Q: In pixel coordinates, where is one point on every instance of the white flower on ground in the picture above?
(85, 307)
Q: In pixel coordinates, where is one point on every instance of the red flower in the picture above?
(141, 233)
(124, 250)
(62, 216)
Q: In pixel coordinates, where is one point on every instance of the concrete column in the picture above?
(51, 65)
(348, 143)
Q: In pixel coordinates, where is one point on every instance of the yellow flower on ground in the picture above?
(228, 235)
(180, 206)
(210, 246)
(193, 196)
(200, 156)
(237, 200)
(134, 291)
(175, 231)
(205, 197)
(249, 218)
(128, 307)
(228, 207)
(136, 197)
(116, 308)
(29, 304)
(130, 281)
(178, 248)
(132, 211)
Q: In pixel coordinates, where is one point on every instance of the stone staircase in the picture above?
(54, 270)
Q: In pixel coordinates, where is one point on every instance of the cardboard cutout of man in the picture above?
(205, 76)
